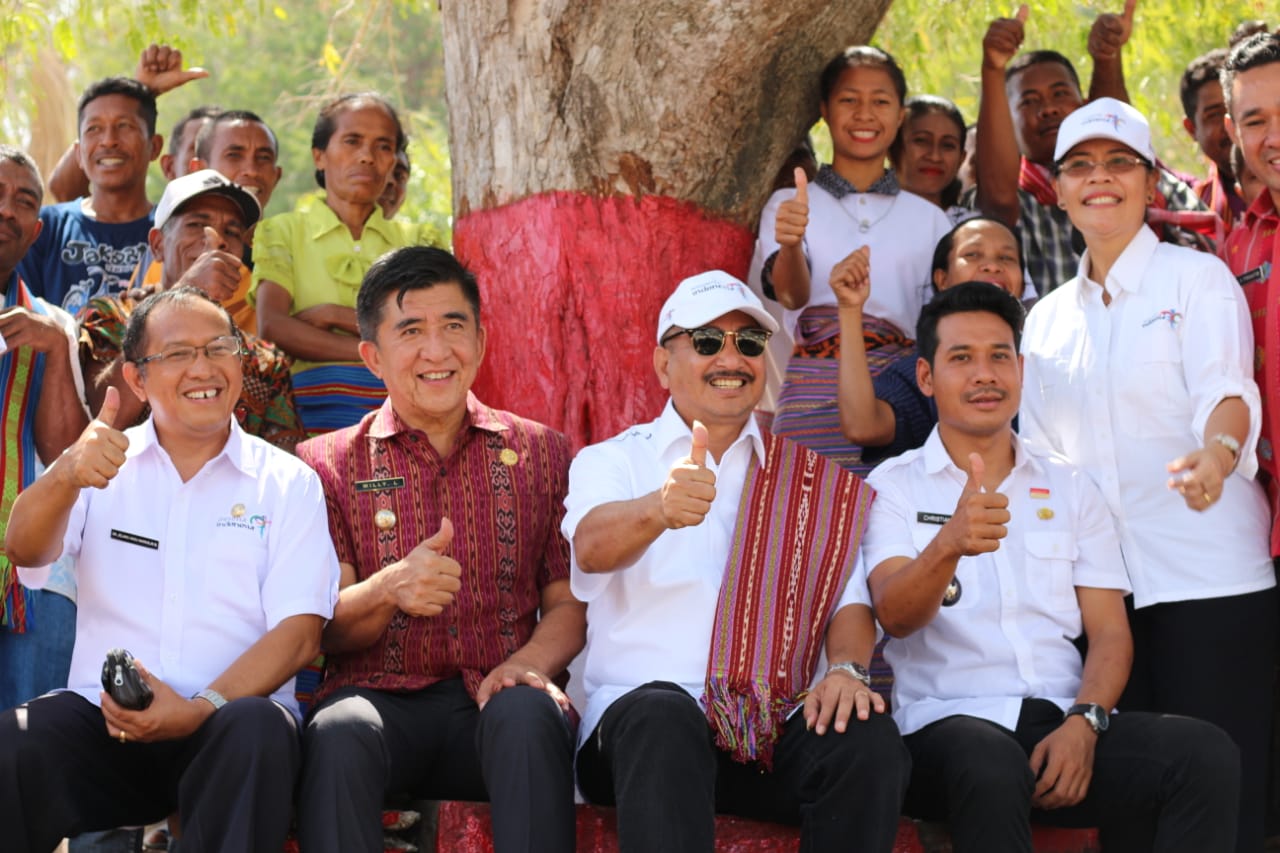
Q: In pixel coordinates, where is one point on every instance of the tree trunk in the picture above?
(601, 153)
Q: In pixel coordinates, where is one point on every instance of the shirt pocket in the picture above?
(968, 589)
(1050, 562)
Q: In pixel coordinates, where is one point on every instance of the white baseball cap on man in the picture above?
(702, 298)
(182, 190)
(1105, 118)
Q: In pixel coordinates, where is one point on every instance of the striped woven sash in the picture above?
(799, 523)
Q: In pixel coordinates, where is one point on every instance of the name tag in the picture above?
(932, 518)
(135, 539)
(379, 485)
(1259, 273)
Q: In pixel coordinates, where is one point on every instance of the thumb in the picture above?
(196, 73)
(212, 240)
(802, 186)
(699, 452)
(443, 538)
(865, 251)
(976, 469)
(1129, 6)
(110, 406)
(1023, 12)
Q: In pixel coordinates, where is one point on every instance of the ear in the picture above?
(372, 358)
(661, 358)
(939, 279)
(132, 375)
(155, 240)
(1231, 129)
(902, 117)
(166, 166)
(157, 146)
(317, 157)
(1190, 127)
(196, 164)
(482, 340)
(924, 376)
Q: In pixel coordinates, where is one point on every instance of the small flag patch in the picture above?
(1040, 494)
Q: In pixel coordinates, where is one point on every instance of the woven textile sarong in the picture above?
(807, 409)
(333, 396)
(799, 523)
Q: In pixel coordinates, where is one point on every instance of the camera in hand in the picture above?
(123, 683)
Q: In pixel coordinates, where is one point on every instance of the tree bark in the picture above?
(601, 153)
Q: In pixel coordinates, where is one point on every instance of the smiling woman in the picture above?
(309, 264)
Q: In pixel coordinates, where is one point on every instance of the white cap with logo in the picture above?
(702, 298)
(1105, 118)
(182, 190)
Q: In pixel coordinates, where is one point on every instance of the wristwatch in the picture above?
(213, 697)
(1093, 714)
(857, 670)
(1232, 446)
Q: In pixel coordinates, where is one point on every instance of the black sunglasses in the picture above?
(709, 340)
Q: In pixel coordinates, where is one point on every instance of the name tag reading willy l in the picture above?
(384, 484)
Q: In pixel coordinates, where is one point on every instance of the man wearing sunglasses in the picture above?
(206, 553)
(199, 237)
(729, 625)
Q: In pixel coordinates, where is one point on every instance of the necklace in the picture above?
(864, 226)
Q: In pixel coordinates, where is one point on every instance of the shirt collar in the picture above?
(831, 181)
(323, 220)
(387, 422)
(937, 460)
(1127, 272)
(1263, 207)
(671, 429)
(238, 452)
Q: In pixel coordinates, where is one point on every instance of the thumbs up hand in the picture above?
(1003, 39)
(216, 271)
(1110, 32)
(425, 581)
(978, 524)
(690, 487)
(793, 215)
(98, 454)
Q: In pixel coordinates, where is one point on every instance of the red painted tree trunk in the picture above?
(601, 153)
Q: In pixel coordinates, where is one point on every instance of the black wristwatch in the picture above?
(1093, 714)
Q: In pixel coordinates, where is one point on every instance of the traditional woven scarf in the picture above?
(799, 524)
(1037, 180)
(21, 371)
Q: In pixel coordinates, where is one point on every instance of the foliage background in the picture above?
(281, 58)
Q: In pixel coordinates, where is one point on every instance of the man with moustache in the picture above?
(701, 537)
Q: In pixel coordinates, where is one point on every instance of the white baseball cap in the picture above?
(182, 190)
(1105, 118)
(702, 298)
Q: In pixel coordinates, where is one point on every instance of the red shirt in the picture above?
(503, 486)
(1253, 253)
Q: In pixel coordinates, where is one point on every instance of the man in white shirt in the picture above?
(206, 553)
(715, 560)
(989, 560)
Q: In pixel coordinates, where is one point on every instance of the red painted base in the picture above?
(464, 828)
(571, 285)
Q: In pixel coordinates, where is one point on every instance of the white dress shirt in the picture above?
(1008, 637)
(902, 231)
(652, 621)
(1124, 389)
(187, 576)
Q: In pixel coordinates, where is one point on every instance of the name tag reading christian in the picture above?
(932, 518)
(380, 485)
(135, 539)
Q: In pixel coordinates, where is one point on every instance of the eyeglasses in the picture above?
(1121, 164)
(709, 340)
(217, 349)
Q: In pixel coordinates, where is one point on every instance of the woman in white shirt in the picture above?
(1140, 370)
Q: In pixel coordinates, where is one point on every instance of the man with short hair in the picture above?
(201, 225)
(40, 406)
(729, 629)
(90, 246)
(205, 553)
(455, 623)
(1023, 101)
(1205, 109)
(989, 562)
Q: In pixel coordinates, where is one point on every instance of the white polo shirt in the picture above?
(1008, 636)
(902, 231)
(187, 576)
(652, 621)
(1122, 390)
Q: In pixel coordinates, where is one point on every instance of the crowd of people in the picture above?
(998, 400)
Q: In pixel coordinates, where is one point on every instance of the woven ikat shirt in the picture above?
(503, 488)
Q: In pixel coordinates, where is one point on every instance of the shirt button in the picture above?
(453, 630)
(355, 247)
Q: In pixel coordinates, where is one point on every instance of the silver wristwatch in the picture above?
(213, 697)
(857, 670)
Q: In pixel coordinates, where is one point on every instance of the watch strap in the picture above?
(213, 697)
(857, 670)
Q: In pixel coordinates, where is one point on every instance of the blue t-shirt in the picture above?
(914, 413)
(76, 258)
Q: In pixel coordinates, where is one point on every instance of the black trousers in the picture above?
(361, 746)
(653, 756)
(62, 774)
(1214, 659)
(1159, 783)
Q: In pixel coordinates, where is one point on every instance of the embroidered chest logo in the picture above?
(238, 521)
(1169, 315)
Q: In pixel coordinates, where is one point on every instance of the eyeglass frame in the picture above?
(724, 334)
(163, 357)
(1129, 161)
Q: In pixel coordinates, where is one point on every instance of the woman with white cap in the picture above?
(1140, 370)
